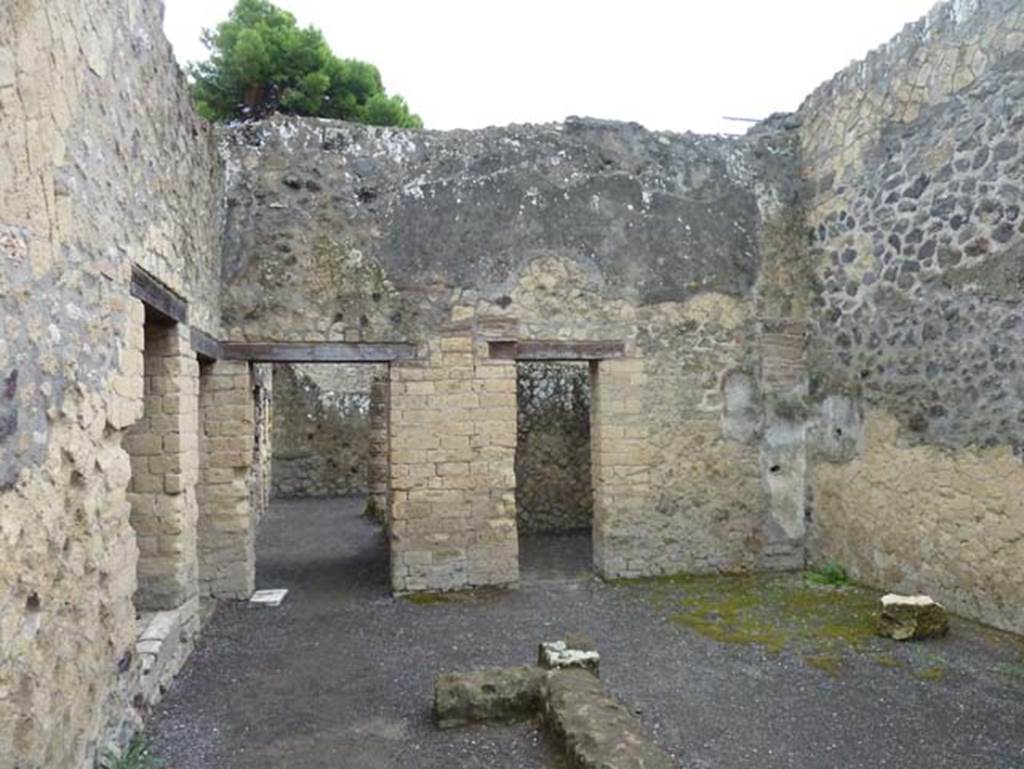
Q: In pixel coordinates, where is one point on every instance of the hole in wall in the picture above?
(32, 603)
(774, 468)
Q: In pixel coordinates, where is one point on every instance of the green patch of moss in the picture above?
(1012, 669)
(472, 595)
(138, 755)
(830, 663)
(772, 611)
(934, 673)
(427, 599)
(661, 579)
(887, 660)
(430, 599)
(731, 628)
(830, 573)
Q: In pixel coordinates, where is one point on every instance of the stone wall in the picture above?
(163, 446)
(820, 325)
(581, 231)
(322, 429)
(226, 530)
(102, 164)
(916, 242)
(553, 484)
(453, 438)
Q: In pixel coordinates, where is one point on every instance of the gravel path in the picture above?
(341, 675)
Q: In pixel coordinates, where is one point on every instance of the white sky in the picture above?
(678, 66)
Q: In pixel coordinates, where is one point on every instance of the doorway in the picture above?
(554, 488)
(328, 447)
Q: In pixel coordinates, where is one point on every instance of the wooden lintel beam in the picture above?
(205, 345)
(556, 351)
(318, 352)
(157, 297)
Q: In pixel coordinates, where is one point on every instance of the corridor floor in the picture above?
(341, 674)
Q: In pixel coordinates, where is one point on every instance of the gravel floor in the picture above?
(341, 675)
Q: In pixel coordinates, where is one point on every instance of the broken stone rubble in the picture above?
(911, 617)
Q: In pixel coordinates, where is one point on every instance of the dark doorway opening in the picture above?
(554, 489)
(328, 448)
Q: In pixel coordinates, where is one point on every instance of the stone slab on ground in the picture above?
(911, 617)
(599, 732)
(165, 640)
(504, 695)
(270, 597)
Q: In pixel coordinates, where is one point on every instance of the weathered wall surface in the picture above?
(916, 238)
(582, 231)
(850, 350)
(101, 163)
(321, 429)
(553, 483)
(347, 231)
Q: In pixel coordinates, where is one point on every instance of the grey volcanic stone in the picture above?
(416, 217)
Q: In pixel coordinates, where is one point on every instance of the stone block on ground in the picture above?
(575, 652)
(272, 597)
(911, 617)
(164, 642)
(507, 694)
(599, 732)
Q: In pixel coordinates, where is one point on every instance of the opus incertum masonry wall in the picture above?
(803, 343)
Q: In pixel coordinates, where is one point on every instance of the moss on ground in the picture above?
(775, 611)
(830, 663)
(1012, 669)
(887, 660)
(933, 673)
(454, 596)
(138, 755)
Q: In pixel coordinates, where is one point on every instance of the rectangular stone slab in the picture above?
(505, 694)
(599, 732)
